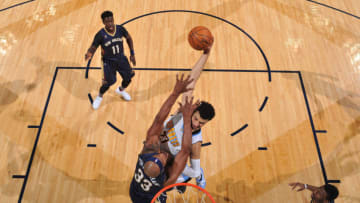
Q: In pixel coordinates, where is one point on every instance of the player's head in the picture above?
(108, 20)
(202, 114)
(325, 192)
(154, 167)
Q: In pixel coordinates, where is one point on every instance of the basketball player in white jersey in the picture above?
(173, 128)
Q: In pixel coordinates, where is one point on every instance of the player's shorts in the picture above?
(137, 199)
(122, 66)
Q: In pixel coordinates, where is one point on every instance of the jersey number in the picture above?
(139, 177)
(116, 49)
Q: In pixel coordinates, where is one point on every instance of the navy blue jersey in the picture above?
(112, 44)
(143, 188)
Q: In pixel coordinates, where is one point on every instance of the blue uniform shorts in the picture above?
(121, 66)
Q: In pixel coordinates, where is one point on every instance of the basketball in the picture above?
(200, 38)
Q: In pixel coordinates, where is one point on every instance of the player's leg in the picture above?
(200, 181)
(162, 198)
(182, 179)
(109, 78)
(126, 73)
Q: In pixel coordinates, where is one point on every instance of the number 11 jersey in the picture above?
(111, 44)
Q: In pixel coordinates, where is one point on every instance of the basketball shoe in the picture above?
(123, 94)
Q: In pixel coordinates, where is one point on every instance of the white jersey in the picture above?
(174, 127)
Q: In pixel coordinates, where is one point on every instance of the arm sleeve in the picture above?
(97, 40)
(194, 170)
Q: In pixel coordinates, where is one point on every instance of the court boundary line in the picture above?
(313, 129)
(19, 4)
(165, 69)
(90, 98)
(38, 135)
(336, 9)
(115, 128)
(205, 144)
(262, 148)
(263, 104)
(239, 130)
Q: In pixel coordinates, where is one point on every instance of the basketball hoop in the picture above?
(193, 193)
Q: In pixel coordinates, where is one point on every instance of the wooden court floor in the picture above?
(282, 75)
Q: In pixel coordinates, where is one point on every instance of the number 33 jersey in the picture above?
(143, 188)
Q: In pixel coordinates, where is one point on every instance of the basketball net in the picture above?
(193, 193)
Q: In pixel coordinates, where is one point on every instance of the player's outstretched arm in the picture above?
(97, 41)
(90, 53)
(196, 71)
(157, 125)
(181, 158)
(302, 186)
(131, 47)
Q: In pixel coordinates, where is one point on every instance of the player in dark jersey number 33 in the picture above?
(150, 174)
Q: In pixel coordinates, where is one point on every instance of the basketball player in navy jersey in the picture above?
(111, 40)
(150, 174)
(324, 194)
(173, 127)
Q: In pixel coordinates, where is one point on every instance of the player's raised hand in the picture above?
(133, 60)
(300, 185)
(181, 84)
(208, 49)
(88, 55)
(189, 107)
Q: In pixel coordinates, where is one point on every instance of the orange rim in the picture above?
(182, 184)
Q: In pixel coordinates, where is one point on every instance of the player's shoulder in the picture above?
(120, 27)
(197, 133)
(196, 137)
(150, 147)
(99, 33)
(178, 117)
(101, 30)
(122, 30)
